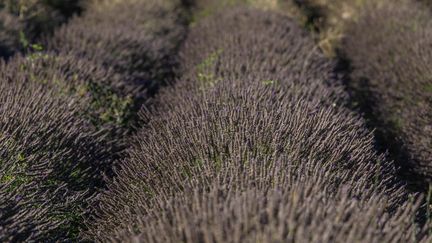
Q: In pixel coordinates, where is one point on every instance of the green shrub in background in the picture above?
(24, 21)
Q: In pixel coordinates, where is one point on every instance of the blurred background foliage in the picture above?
(22, 22)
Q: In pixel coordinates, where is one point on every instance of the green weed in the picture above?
(206, 77)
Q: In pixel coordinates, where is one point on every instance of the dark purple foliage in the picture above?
(66, 114)
(137, 39)
(108, 107)
(50, 162)
(253, 144)
(389, 48)
(23, 22)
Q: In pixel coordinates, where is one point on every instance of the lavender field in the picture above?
(216, 121)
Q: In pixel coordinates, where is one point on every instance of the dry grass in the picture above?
(330, 18)
(205, 8)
